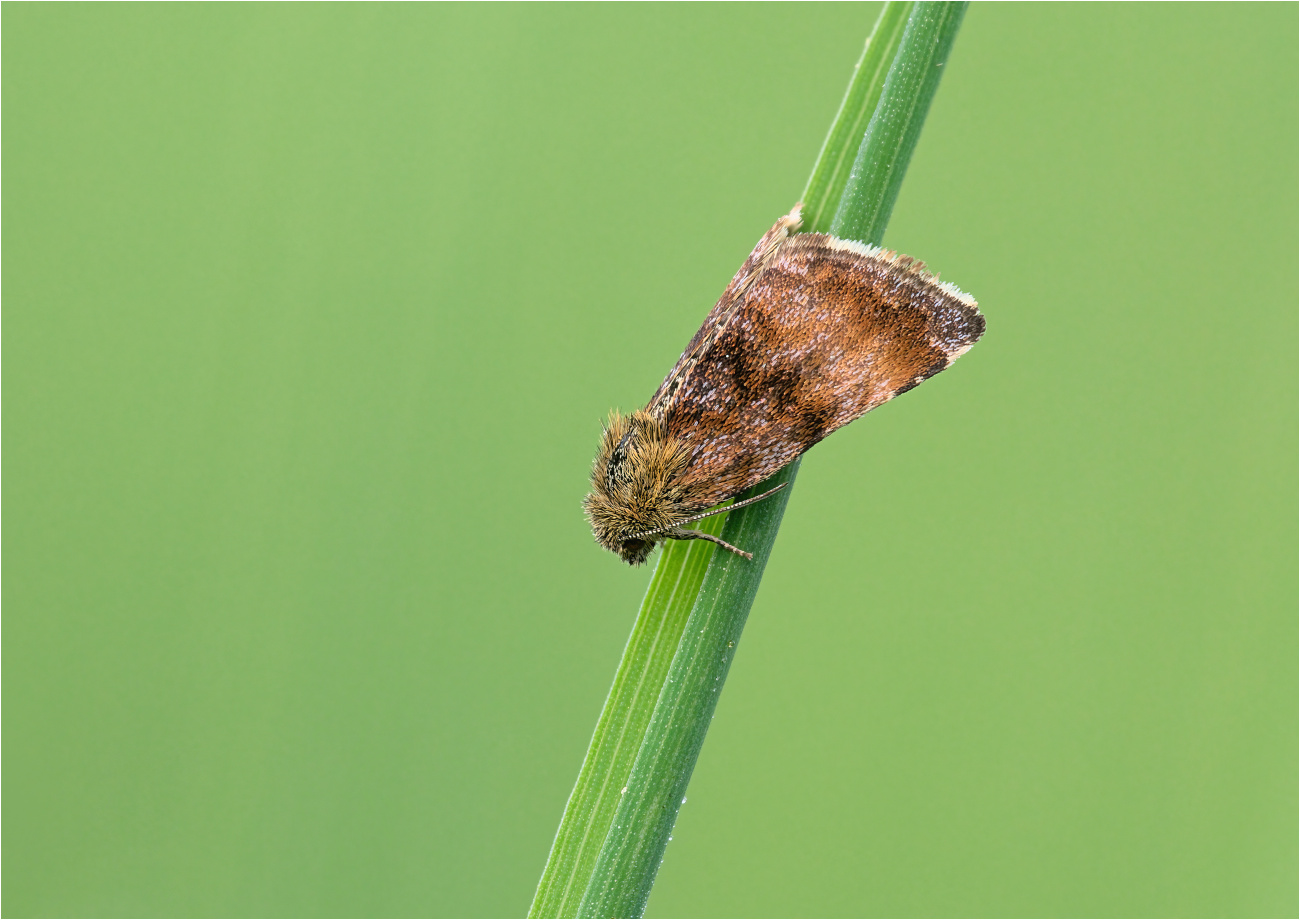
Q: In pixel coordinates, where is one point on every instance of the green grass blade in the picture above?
(623, 721)
(633, 849)
(881, 163)
(659, 706)
(825, 186)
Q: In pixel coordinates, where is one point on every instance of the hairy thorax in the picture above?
(638, 493)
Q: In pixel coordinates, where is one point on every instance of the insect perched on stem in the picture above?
(812, 333)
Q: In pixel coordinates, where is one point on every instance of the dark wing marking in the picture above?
(810, 335)
(732, 299)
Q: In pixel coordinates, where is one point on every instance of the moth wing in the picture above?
(812, 333)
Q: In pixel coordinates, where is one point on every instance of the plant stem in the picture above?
(624, 873)
(619, 817)
(623, 721)
(839, 151)
(633, 850)
(891, 136)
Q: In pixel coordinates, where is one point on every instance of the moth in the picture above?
(812, 333)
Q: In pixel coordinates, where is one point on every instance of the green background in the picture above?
(311, 316)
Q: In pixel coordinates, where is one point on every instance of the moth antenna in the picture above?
(733, 507)
(711, 512)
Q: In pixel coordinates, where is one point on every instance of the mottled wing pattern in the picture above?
(724, 311)
(818, 332)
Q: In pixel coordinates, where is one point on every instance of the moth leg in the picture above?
(683, 534)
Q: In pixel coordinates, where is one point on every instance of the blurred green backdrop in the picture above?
(312, 314)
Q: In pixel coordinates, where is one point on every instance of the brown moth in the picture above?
(812, 333)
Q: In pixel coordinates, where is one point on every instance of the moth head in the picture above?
(636, 488)
(635, 551)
